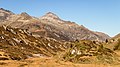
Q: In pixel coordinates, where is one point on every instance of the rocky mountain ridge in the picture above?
(50, 25)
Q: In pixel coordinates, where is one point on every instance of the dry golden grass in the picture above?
(47, 62)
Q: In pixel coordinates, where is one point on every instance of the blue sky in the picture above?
(97, 15)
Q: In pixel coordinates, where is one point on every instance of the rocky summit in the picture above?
(50, 25)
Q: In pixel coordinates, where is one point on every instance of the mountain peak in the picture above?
(5, 11)
(4, 14)
(2, 9)
(50, 25)
(50, 15)
(25, 15)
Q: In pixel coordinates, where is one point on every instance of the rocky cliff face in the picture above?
(50, 25)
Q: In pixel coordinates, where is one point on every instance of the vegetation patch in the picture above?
(90, 52)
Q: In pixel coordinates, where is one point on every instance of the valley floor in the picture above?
(47, 62)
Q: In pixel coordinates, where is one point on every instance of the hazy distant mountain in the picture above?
(50, 25)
